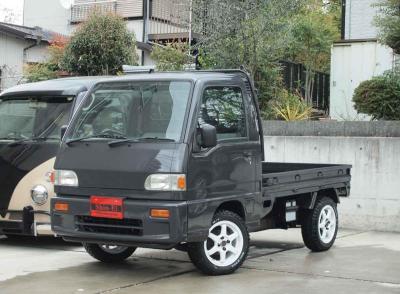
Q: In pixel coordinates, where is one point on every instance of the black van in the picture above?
(31, 116)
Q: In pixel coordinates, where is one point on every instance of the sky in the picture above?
(14, 7)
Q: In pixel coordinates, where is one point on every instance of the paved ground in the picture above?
(360, 262)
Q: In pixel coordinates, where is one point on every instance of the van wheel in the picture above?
(109, 253)
(226, 247)
(320, 225)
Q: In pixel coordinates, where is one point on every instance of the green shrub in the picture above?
(171, 57)
(100, 46)
(388, 22)
(39, 72)
(288, 106)
(379, 97)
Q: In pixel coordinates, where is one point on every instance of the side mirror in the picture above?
(63, 130)
(208, 136)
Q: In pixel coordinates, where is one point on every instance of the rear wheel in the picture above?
(109, 253)
(226, 247)
(320, 225)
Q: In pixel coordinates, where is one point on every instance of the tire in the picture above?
(231, 242)
(320, 225)
(104, 253)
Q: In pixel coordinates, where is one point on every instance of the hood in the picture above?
(16, 162)
(125, 167)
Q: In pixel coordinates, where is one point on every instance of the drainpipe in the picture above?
(190, 25)
(36, 43)
(343, 32)
(146, 19)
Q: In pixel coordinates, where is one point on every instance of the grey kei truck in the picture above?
(176, 160)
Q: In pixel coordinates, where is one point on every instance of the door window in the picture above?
(223, 108)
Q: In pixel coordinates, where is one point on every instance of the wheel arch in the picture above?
(330, 193)
(233, 206)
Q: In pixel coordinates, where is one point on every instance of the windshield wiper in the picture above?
(123, 141)
(27, 140)
(9, 138)
(106, 136)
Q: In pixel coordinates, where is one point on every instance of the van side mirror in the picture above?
(208, 136)
(63, 130)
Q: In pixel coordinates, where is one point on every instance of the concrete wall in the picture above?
(360, 16)
(374, 203)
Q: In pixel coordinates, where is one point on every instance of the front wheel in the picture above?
(320, 225)
(109, 253)
(226, 247)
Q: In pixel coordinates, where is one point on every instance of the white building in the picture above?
(20, 45)
(356, 58)
(150, 20)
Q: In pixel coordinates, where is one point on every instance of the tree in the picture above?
(380, 96)
(8, 15)
(312, 34)
(388, 23)
(100, 46)
(251, 33)
(171, 57)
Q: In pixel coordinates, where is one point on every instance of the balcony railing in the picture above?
(169, 17)
(80, 12)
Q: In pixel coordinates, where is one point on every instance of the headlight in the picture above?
(39, 194)
(66, 178)
(165, 182)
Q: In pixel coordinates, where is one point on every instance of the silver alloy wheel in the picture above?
(327, 224)
(224, 244)
(113, 249)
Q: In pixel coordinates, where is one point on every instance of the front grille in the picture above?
(109, 226)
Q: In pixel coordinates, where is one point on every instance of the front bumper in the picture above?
(136, 229)
(27, 224)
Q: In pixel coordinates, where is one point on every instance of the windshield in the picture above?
(32, 117)
(133, 110)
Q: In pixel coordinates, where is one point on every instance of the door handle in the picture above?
(247, 154)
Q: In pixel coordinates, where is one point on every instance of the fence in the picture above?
(294, 77)
(80, 12)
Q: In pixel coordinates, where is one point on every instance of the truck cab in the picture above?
(176, 160)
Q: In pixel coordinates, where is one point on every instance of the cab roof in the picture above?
(179, 75)
(58, 87)
(75, 85)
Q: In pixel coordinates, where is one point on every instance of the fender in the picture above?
(21, 196)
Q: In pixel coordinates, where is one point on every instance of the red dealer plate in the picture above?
(106, 207)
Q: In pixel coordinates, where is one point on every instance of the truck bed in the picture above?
(285, 179)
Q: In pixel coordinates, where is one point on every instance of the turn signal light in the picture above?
(181, 183)
(63, 207)
(159, 213)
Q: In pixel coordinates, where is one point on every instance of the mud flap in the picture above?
(27, 219)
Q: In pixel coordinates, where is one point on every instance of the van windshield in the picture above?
(25, 118)
(133, 110)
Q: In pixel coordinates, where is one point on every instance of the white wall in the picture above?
(351, 64)
(48, 14)
(37, 54)
(360, 16)
(374, 203)
(11, 60)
